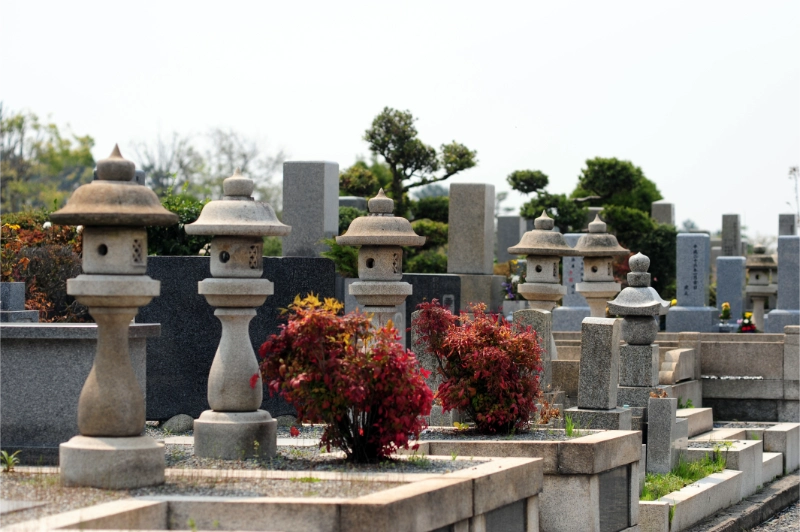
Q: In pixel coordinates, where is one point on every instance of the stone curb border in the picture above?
(757, 508)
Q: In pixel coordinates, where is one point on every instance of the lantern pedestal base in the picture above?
(235, 435)
(112, 463)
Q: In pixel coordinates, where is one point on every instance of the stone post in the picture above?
(692, 312)
(731, 236)
(509, 230)
(788, 307)
(787, 225)
(310, 206)
(110, 452)
(574, 308)
(663, 212)
(760, 271)
(470, 244)
(730, 286)
(235, 427)
(599, 377)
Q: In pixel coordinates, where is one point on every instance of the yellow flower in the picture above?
(748, 315)
(726, 306)
(673, 302)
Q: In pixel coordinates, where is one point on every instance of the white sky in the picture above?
(704, 96)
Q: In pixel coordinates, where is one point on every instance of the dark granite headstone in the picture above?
(178, 362)
(427, 286)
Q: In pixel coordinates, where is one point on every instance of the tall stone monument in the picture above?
(235, 427)
(111, 452)
(569, 316)
(788, 306)
(787, 225)
(470, 244)
(731, 236)
(310, 206)
(663, 212)
(598, 249)
(692, 313)
(509, 230)
(730, 285)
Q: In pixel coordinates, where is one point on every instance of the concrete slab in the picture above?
(771, 467)
(700, 420)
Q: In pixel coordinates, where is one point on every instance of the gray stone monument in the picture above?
(235, 427)
(730, 285)
(692, 313)
(788, 307)
(569, 316)
(731, 236)
(667, 435)
(310, 206)
(111, 452)
(663, 212)
(12, 305)
(787, 225)
(509, 230)
(599, 377)
(470, 247)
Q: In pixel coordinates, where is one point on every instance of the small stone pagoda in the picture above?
(235, 427)
(380, 258)
(110, 451)
(598, 249)
(761, 270)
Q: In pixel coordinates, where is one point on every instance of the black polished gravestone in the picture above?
(178, 362)
(428, 286)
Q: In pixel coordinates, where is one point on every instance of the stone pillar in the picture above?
(12, 305)
(509, 231)
(731, 236)
(788, 307)
(692, 312)
(787, 225)
(663, 212)
(599, 377)
(539, 321)
(667, 436)
(730, 285)
(574, 308)
(310, 205)
(470, 247)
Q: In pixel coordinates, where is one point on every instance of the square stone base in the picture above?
(776, 320)
(692, 319)
(638, 365)
(569, 318)
(616, 419)
(22, 316)
(112, 463)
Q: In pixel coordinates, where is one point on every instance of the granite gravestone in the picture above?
(574, 308)
(787, 225)
(509, 230)
(730, 284)
(788, 307)
(12, 305)
(310, 206)
(663, 212)
(731, 236)
(692, 312)
(179, 360)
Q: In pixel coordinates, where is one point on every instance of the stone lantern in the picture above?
(640, 305)
(544, 249)
(760, 270)
(235, 427)
(598, 249)
(110, 451)
(380, 259)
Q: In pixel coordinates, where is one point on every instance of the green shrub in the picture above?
(172, 240)
(434, 208)
(658, 485)
(346, 217)
(345, 258)
(427, 261)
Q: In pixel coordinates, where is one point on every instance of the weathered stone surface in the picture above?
(654, 516)
(380, 293)
(565, 377)
(788, 311)
(731, 235)
(638, 365)
(599, 365)
(700, 420)
(771, 468)
(235, 435)
(189, 328)
(616, 419)
(486, 289)
(784, 438)
(663, 212)
(509, 231)
(179, 423)
(730, 284)
(757, 359)
(693, 263)
(639, 330)
(471, 229)
(310, 206)
(12, 296)
(660, 434)
(638, 396)
(570, 491)
(678, 365)
(787, 225)
(742, 409)
(703, 498)
(112, 463)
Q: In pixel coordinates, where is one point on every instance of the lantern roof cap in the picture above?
(598, 243)
(542, 240)
(380, 227)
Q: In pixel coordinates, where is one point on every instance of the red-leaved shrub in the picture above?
(357, 380)
(489, 370)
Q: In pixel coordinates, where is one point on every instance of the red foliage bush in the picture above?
(488, 370)
(341, 371)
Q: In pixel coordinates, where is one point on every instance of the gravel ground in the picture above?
(435, 433)
(47, 488)
(787, 520)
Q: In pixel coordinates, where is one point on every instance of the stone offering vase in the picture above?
(110, 451)
(235, 427)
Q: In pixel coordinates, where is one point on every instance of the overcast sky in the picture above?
(703, 96)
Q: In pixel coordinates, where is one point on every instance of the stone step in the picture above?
(700, 419)
(771, 467)
(721, 434)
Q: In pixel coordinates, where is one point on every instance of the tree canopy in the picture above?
(569, 216)
(610, 181)
(412, 163)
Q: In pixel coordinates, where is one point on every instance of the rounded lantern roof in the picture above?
(114, 198)
(237, 214)
(542, 240)
(598, 243)
(639, 298)
(380, 227)
(759, 260)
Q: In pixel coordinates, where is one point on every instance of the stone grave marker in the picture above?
(731, 236)
(569, 316)
(787, 225)
(788, 307)
(310, 206)
(663, 212)
(730, 285)
(692, 313)
(509, 231)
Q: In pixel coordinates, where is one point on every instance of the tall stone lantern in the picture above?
(544, 249)
(110, 451)
(761, 268)
(235, 427)
(380, 259)
(598, 249)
